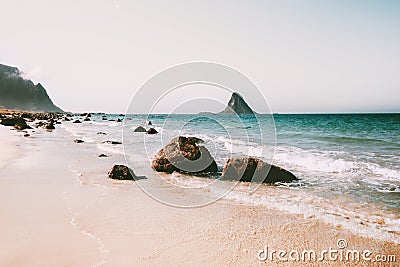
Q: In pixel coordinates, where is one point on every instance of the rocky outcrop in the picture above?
(151, 131)
(252, 169)
(121, 172)
(50, 125)
(22, 94)
(22, 126)
(12, 121)
(78, 141)
(140, 129)
(186, 155)
(237, 105)
(19, 123)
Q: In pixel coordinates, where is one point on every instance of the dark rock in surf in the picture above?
(184, 154)
(140, 129)
(118, 120)
(101, 133)
(103, 156)
(151, 131)
(12, 121)
(27, 135)
(112, 142)
(22, 126)
(121, 172)
(252, 169)
(77, 121)
(50, 125)
(78, 141)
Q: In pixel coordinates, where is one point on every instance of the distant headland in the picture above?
(19, 93)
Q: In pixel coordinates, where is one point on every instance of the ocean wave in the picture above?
(331, 162)
(356, 140)
(382, 226)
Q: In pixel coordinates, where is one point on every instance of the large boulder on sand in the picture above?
(121, 172)
(184, 154)
(252, 169)
(22, 126)
(12, 121)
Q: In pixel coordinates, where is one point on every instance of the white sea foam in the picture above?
(114, 149)
(333, 162)
(384, 227)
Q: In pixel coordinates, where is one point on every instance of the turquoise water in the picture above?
(352, 154)
(348, 164)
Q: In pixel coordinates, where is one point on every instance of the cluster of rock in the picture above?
(182, 154)
(141, 129)
(19, 120)
(188, 155)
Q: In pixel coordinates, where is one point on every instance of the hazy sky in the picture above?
(305, 56)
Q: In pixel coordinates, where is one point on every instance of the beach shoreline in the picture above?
(8, 144)
(58, 213)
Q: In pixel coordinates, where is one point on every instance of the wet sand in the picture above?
(8, 144)
(50, 218)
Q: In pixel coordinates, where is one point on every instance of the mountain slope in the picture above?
(237, 105)
(18, 93)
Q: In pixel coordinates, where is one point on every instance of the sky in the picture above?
(304, 56)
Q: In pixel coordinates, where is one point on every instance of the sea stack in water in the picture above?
(186, 155)
(237, 105)
(252, 169)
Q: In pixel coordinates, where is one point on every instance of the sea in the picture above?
(348, 165)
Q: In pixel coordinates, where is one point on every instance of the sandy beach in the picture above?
(54, 216)
(9, 149)
(199, 133)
